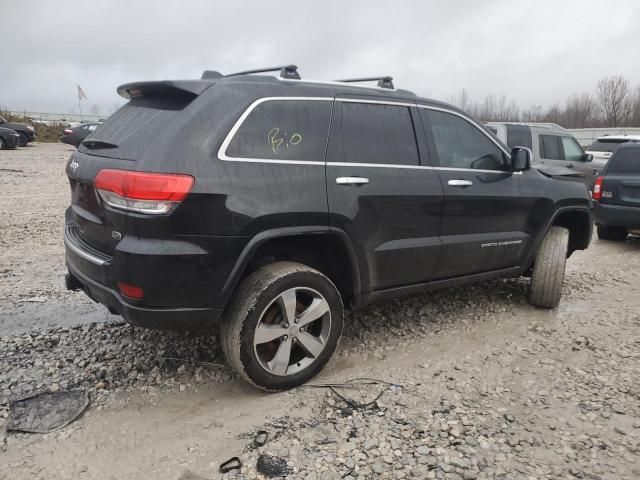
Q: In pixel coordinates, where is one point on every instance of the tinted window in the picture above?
(606, 145)
(572, 151)
(550, 147)
(519, 136)
(627, 160)
(462, 145)
(284, 130)
(371, 133)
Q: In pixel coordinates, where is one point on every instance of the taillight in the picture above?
(131, 291)
(67, 131)
(597, 189)
(141, 192)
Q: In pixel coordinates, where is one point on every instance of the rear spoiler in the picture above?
(164, 87)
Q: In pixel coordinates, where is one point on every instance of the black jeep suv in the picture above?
(269, 202)
(617, 194)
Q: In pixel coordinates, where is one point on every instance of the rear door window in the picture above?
(572, 151)
(626, 161)
(519, 136)
(284, 130)
(462, 145)
(375, 133)
(550, 147)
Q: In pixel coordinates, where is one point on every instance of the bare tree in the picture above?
(633, 108)
(461, 100)
(612, 94)
(580, 111)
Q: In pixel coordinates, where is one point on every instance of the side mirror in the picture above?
(521, 159)
(588, 157)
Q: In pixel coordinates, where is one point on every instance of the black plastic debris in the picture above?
(46, 412)
(272, 467)
(233, 463)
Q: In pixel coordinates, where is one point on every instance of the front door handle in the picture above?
(460, 183)
(570, 165)
(352, 181)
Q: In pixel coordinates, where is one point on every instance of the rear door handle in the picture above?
(570, 165)
(460, 183)
(352, 181)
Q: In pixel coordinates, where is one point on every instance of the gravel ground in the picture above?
(470, 382)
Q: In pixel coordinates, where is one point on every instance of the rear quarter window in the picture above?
(625, 161)
(283, 130)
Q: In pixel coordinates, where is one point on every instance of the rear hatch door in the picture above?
(134, 138)
(621, 183)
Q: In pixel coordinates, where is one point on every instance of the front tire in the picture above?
(282, 325)
(23, 139)
(617, 234)
(548, 269)
(2, 145)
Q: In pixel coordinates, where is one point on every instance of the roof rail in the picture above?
(286, 71)
(383, 82)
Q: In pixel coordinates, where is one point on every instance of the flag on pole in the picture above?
(81, 94)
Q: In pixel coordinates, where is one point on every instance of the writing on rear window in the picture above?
(276, 140)
(284, 129)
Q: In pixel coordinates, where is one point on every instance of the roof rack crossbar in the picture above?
(383, 82)
(286, 71)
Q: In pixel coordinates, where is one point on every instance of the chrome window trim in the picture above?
(340, 84)
(375, 102)
(380, 165)
(222, 151)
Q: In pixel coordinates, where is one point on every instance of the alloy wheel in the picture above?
(292, 331)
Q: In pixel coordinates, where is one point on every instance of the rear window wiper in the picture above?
(97, 143)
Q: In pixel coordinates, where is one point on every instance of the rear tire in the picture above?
(23, 139)
(2, 145)
(616, 234)
(548, 269)
(258, 312)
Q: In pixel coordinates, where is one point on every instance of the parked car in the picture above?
(8, 138)
(617, 193)
(604, 147)
(74, 136)
(26, 132)
(551, 144)
(268, 203)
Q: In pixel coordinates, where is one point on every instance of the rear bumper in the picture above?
(181, 289)
(617, 216)
(156, 318)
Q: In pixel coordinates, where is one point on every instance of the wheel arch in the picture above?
(579, 222)
(328, 251)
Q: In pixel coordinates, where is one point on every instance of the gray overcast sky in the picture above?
(536, 52)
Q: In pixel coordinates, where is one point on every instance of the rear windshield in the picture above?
(607, 145)
(627, 160)
(131, 129)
